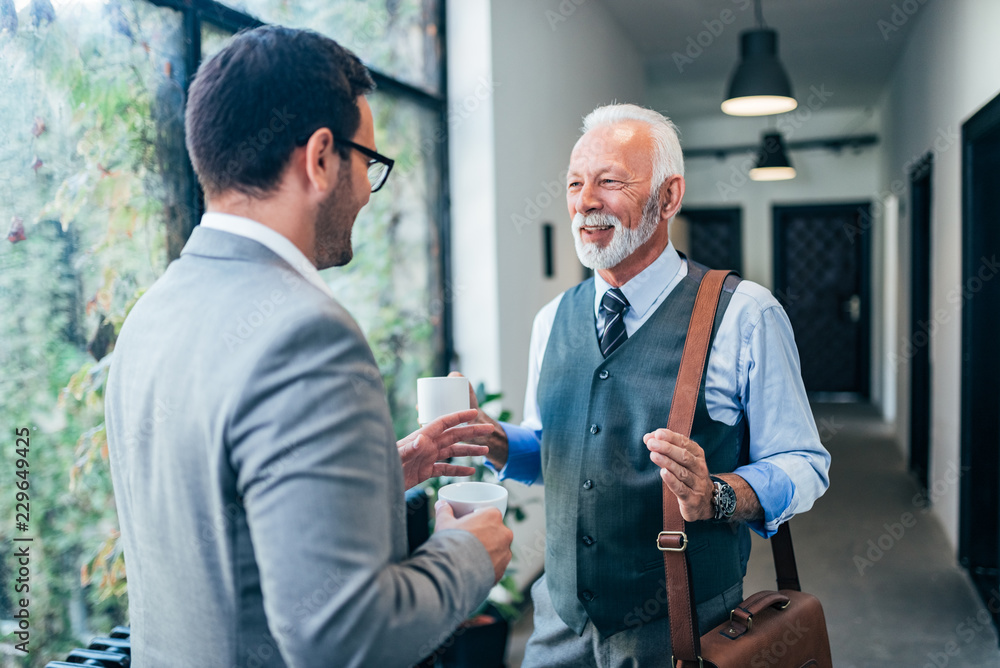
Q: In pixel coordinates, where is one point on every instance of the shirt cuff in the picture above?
(524, 459)
(774, 490)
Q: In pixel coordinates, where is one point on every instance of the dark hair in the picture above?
(251, 100)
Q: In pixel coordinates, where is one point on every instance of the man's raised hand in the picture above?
(424, 452)
(683, 469)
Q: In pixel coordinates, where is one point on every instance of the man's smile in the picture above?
(592, 233)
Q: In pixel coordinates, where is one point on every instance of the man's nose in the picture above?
(587, 199)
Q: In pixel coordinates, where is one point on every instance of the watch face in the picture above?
(727, 501)
(724, 499)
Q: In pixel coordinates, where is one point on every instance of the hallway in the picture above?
(904, 602)
(900, 600)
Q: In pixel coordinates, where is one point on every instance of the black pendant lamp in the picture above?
(759, 85)
(772, 161)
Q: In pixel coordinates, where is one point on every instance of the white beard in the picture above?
(624, 242)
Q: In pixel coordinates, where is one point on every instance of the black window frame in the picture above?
(219, 15)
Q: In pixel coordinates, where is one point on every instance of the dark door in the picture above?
(821, 277)
(979, 532)
(920, 319)
(714, 237)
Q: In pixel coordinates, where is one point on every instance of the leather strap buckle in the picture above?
(673, 664)
(664, 534)
(748, 622)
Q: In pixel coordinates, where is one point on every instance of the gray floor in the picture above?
(912, 606)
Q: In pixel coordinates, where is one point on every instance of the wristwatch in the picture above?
(723, 499)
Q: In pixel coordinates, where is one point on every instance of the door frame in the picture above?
(779, 212)
(976, 231)
(734, 214)
(921, 202)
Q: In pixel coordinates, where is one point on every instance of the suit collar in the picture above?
(206, 242)
(234, 237)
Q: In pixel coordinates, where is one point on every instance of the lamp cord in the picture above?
(759, 14)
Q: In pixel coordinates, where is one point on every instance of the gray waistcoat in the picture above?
(603, 495)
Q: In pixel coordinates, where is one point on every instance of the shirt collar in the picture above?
(273, 240)
(644, 288)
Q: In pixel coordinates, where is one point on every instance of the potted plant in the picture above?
(481, 640)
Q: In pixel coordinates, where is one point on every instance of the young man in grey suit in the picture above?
(604, 356)
(257, 478)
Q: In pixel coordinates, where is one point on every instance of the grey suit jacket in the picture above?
(259, 490)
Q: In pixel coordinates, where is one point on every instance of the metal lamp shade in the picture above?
(759, 85)
(772, 161)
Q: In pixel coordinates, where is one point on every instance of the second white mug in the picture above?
(441, 395)
(467, 497)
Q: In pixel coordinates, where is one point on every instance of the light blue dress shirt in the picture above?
(753, 369)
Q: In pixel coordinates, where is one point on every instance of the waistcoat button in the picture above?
(587, 484)
(594, 428)
(588, 540)
(604, 374)
(587, 595)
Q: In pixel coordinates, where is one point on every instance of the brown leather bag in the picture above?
(770, 629)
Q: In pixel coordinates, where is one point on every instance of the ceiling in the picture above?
(847, 48)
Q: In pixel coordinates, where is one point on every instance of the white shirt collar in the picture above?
(644, 288)
(273, 240)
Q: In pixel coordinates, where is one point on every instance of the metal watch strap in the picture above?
(719, 487)
(716, 493)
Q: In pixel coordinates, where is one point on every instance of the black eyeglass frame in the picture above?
(374, 157)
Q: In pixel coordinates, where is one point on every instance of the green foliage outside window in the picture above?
(80, 177)
(399, 37)
(91, 107)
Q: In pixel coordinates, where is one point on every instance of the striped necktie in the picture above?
(614, 305)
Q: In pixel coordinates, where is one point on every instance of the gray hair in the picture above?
(667, 157)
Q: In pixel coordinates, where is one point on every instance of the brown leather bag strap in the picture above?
(673, 540)
(680, 604)
(784, 559)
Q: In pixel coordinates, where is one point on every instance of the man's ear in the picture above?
(322, 161)
(671, 194)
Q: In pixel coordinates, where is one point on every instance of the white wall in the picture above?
(529, 70)
(556, 61)
(474, 292)
(948, 70)
(546, 64)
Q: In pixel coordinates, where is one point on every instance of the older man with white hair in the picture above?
(603, 359)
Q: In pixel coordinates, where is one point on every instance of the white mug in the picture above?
(441, 395)
(466, 497)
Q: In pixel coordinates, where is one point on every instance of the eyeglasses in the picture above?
(379, 166)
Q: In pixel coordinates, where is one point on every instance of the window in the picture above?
(98, 196)
(397, 37)
(394, 285)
